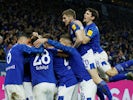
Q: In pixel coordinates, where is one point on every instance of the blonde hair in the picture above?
(69, 12)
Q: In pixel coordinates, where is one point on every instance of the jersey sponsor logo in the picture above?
(89, 33)
(74, 27)
(10, 67)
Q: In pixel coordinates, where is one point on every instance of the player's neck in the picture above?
(21, 42)
(90, 22)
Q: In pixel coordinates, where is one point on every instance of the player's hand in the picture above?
(35, 34)
(40, 41)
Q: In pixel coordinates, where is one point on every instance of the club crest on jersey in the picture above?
(74, 27)
(89, 33)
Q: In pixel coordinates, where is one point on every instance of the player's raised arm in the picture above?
(54, 43)
(39, 41)
(30, 49)
(60, 46)
(23, 45)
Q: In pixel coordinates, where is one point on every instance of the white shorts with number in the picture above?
(28, 90)
(102, 61)
(44, 91)
(89, 60)
(88, 90)
(67, 93)
(15, 92)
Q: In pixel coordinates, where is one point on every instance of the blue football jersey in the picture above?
(83, 48)
(92, 32)
(15, 63)
(75, 61)
(41, 66)
(63, 72)
(73, 27)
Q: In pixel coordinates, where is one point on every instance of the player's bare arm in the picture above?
(85, 39)
(40, 41)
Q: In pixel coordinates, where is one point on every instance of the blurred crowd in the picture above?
(115, 24)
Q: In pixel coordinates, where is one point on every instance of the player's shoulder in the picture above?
(21, 47)
(74, 51)
(78, 22)
(16, 46)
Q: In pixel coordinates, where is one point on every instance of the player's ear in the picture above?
(93, 17)
(70, 17)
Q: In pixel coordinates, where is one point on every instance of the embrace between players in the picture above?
(64, 70)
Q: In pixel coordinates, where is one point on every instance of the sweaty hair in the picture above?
(69, 12)
(94, 13)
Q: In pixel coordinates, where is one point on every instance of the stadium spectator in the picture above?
(18, 17)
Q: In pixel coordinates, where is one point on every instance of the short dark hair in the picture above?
(70, 12)
(24, 35)
(94, 13)
(49, 36)
(65, 36)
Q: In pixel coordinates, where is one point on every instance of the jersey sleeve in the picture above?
(90, 33)
(53, 50)
(60, 46)
(74, 27)
(31, 50)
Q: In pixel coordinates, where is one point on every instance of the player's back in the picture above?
(75, 61)
(41, 66)
(63, 71)
(15, 62)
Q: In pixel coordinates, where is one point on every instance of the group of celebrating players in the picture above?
(41, 68)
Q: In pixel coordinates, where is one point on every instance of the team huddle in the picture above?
(41, 68)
